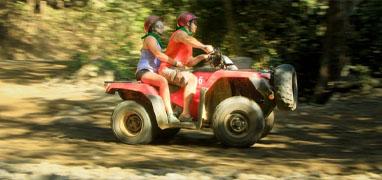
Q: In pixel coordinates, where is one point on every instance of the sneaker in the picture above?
(186, 122)
(185, 118)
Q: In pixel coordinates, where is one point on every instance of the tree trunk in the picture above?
(3, 20)
(60, 4)
(231, 38)
(31, 2)
(43, 5)
(335, 52)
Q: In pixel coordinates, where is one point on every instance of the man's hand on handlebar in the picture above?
(208, 49)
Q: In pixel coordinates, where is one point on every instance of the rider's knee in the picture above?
(192, 79)
(163, 81)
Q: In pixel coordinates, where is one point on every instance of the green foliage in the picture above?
(270, 32)
(3, 20)
(360, 76)
(365, 40)
(78, 60)
(123, 70)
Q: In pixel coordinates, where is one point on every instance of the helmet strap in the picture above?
(156, 36)
(182, 28)
(154, 30)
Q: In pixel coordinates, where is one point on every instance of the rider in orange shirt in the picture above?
(180, 49)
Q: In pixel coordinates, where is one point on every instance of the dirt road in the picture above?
(57, 128)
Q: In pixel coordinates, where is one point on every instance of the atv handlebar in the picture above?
(215, 58)
(218, 60)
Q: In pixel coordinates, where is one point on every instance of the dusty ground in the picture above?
(52, 128)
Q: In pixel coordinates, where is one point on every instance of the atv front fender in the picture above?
(262, 86)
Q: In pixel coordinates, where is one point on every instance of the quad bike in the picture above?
(237, 104)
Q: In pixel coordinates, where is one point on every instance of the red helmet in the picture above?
(150, 21)
(185, 17)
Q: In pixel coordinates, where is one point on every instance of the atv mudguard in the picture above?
(149, 94)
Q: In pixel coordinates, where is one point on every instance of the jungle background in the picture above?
(334, 45)
(55, 115)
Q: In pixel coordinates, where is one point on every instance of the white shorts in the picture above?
(175, 76)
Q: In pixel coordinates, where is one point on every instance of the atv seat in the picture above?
(173, 88)
(204, 69)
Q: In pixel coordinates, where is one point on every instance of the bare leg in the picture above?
(189, 93)
(159, 81)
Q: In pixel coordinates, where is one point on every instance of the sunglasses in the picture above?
(159, 25)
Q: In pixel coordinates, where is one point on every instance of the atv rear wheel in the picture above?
(131, 123)
(285, 82)
(238, 121)
(269, 122)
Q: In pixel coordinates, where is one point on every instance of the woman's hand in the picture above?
(206, 56)
(178, 64)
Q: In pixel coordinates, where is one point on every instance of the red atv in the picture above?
(237, 104)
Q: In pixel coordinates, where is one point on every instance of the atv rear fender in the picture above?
(143, 94)
(112, 86)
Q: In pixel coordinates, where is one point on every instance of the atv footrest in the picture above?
(188, 125)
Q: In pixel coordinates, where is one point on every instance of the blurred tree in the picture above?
(3, 18)
(318, 37)
(335, 50)
(232, 36)
(365, 41)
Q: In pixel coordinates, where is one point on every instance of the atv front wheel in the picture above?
(131, 123)
(285, 82)
(238, 121)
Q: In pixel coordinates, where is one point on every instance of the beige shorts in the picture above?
(175, 76)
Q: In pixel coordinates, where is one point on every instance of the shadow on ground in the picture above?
(333, 135)
(73, 129)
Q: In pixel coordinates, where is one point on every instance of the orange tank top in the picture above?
(178, 51)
